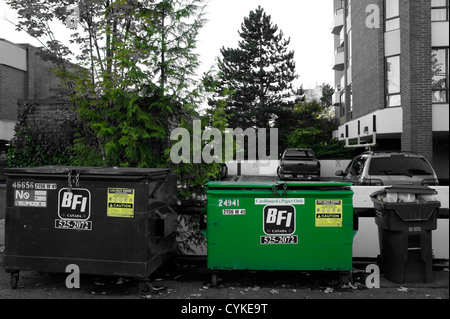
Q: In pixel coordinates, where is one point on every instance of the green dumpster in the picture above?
(107, 221)
(279, 226)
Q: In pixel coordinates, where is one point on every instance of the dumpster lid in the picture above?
(64, 170)
(330, 184)
(280, 185)
(240, 184)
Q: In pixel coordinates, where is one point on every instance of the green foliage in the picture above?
(46, 141)
(133, 77)
(192, 176)
(309, 125)
(327, 95)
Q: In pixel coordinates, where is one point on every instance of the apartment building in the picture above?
(391, 68)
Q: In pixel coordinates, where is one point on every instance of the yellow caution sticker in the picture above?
(120, 202)
(329, 213)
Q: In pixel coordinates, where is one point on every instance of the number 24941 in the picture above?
(228, 202)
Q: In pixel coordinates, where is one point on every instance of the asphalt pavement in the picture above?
(187, 278)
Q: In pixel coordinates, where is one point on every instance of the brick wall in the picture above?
(38, 82)
(12, 88)
(367, 61)
(41, 110)
(42, 82)
(416, 72)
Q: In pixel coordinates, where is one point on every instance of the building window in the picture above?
(440, 82)
(342, 103)
(439, 10)
(393, 97)
(350, 47)
(350, 93)
(392, 15)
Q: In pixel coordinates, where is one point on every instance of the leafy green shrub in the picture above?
(41, 141)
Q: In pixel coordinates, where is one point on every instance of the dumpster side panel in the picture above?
(103, 225)
(252, 229)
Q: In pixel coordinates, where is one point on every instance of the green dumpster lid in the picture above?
(240, 184)
(279, 185)
(316, 184)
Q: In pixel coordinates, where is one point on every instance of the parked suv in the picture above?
(388, 168)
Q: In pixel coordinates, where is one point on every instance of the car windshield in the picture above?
(357, 166)
(399, 165)
(299, 153)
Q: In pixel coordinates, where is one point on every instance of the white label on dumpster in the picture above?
(51, 186)
(279, 201)
(74, 204)
(279, 220)
(279, 240)
(233, 211)
(30, 198)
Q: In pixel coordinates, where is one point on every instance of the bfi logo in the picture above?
(74, 204)
(279, 220)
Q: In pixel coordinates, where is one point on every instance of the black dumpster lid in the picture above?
(64, 170)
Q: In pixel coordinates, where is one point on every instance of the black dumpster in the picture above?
(406, 217)
(107, 221)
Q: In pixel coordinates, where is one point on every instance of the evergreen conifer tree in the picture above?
(259, 73)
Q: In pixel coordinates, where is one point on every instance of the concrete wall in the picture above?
(365, 243)
(269, 168)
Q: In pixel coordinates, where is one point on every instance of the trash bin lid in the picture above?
(412, 189)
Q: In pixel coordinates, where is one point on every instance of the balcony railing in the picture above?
(338, 21)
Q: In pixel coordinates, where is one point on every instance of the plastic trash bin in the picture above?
(406, 217)
(107, 221)
(279, 226)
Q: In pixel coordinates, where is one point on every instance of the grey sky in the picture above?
(306, 22)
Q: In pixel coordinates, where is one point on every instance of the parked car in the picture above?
(299, 163)
(389, 168)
